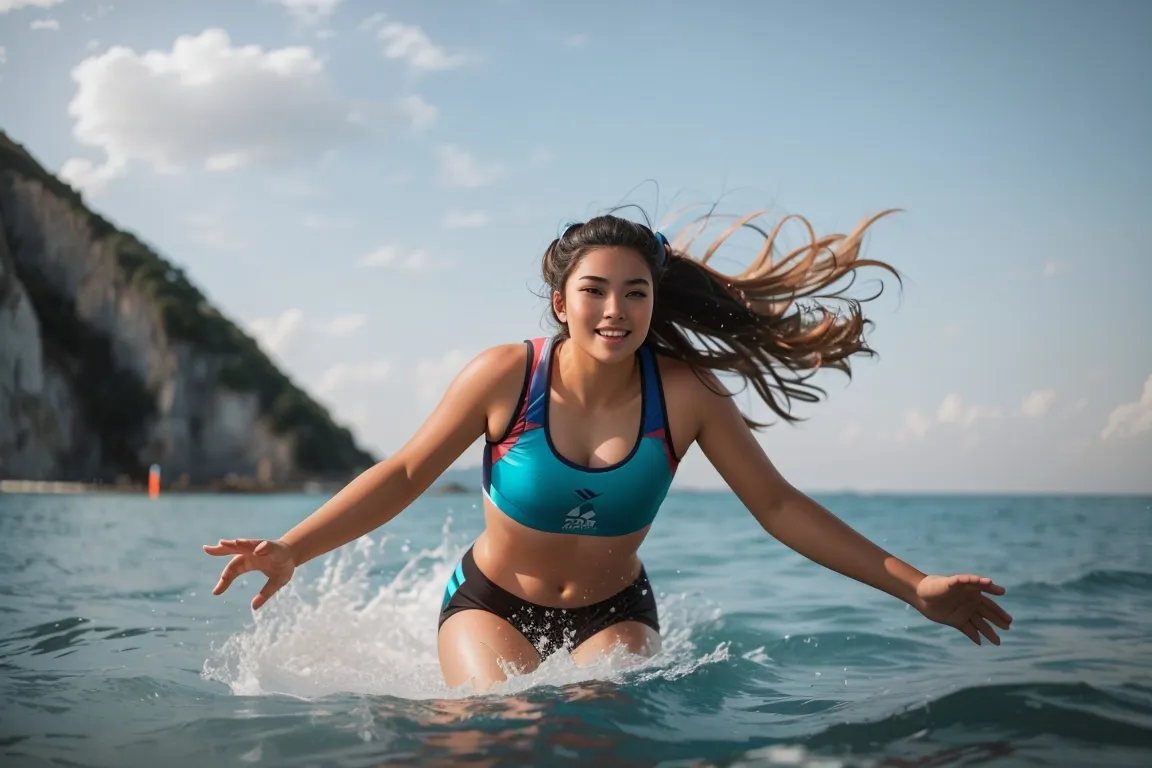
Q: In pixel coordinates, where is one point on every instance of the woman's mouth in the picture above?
(612, 335)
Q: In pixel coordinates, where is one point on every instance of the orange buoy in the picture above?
(153, 481)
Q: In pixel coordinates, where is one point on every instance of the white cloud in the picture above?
(464, 219)
(344, 375)
(434, 376)
(953, 410)
(392, 256)
(275, 334)
(417, 112)
(12, 5)
(410, 44)
(850, 433)
(575, 41)
(310, 12)
(915, 426)
(291, 329)
(206, 104)
(89, 177)
(459, 169)
(101, 10)
(49, 24)
(1037, 403)
(372, 21)
(344, 325)
(1130, 419)
(1053, 268)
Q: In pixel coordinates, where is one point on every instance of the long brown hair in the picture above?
(770, 324)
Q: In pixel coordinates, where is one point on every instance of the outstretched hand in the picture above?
(960, 602)
(274, 559)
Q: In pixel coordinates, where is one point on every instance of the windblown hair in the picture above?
(755, 324)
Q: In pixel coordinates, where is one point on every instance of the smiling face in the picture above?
(607, 303)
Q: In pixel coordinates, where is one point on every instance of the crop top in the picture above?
(529, 481)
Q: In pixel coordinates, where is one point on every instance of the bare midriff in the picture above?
(558, 570)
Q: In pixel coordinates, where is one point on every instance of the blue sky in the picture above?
(368, 187)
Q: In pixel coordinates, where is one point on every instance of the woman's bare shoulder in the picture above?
(497, 364)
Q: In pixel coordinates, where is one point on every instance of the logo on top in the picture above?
(583, 516)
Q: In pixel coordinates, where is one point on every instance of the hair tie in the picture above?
(567, 226)
(664, 247)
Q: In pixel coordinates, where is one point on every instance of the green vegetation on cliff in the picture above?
(119, 405)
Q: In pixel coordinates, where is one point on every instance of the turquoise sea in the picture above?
(114, 653)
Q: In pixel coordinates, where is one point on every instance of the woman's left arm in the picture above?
(811, 530)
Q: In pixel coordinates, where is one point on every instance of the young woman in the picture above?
(584, 431)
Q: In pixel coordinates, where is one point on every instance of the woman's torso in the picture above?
(579, 488)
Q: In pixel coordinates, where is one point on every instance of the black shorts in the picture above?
(548, 629)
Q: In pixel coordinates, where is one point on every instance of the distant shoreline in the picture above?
(13, 486)
(223, 487)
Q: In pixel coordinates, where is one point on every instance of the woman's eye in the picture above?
(633, 294)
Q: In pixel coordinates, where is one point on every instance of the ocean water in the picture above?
(114, 652)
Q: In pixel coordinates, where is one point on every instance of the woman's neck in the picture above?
(588, 382)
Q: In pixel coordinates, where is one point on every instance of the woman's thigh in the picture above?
(635, 637)
(473, 644)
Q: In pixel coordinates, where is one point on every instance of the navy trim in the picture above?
(519, 398)
(663, 406)
(486, 463)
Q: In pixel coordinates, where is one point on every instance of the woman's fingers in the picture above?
(232, 546)
(976, 583)
(986, 630)
(239, 564)
(271, 587)
(994, 613)
(251, 555)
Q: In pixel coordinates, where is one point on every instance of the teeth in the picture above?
(613, 334)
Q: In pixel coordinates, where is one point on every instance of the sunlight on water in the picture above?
(339, 634)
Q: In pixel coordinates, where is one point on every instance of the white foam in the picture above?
(335, 635)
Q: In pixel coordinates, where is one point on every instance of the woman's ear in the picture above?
(558, 306)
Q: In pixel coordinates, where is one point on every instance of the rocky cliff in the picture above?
(111, 360)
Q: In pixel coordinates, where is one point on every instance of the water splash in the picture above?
(341, 634)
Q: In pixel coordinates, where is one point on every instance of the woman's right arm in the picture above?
(385, 490)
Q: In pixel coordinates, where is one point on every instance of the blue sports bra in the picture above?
(528, 480)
